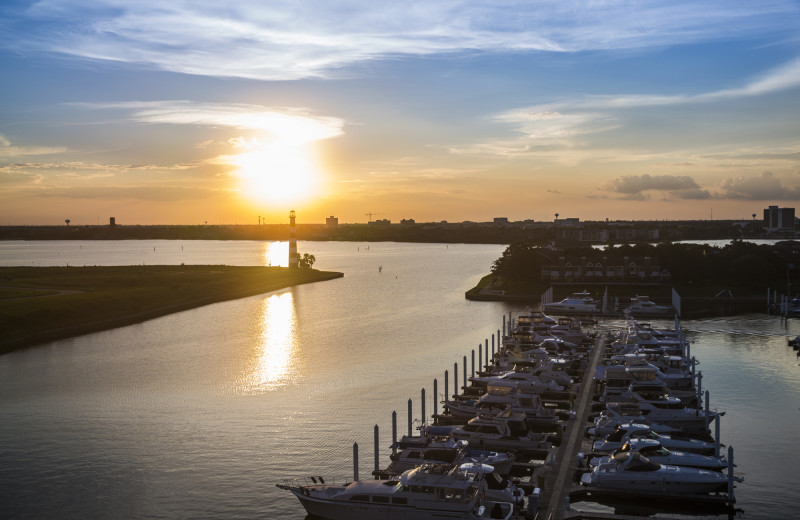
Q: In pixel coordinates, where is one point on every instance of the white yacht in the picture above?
(656, 452)
(428, 492)
(631, 472)
(575, 303)
(447, 451)
(627, 432)
(504, 431)
(644, 306)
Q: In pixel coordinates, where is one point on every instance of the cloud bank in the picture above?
(286, 39)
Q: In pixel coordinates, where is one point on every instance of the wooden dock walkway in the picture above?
(558, 482)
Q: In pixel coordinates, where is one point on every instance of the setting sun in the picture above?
(278, 173)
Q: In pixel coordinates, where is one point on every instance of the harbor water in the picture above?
(200, 413)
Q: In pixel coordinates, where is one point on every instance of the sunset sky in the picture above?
(193, 111)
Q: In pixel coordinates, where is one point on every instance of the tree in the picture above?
(307, 261)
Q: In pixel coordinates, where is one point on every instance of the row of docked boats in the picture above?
(651, 437)
(583, 303)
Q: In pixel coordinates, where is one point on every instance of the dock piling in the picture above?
(707, 410)
(422, 398)
(394, 432)
(716, 438)
(436, 397)
(377, 455)
(731, 498)
(409, 418)
(446, 387)
(473, 366)
(455, 379)
(465, 375)
(480, 357)
(355, 462)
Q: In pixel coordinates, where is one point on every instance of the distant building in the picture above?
(501, 220)
(332, 222)
(112, 221)
(605, 269)
(408, 221)
(779, 219)
(380, 222)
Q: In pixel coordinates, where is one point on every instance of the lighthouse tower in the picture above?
(294, 258)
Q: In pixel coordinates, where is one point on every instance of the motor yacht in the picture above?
(656, 452)
(428, 492)
(446, 451)
(575, 303)
(504, 431)
(644, 306)
(631, 472)
(672, 441)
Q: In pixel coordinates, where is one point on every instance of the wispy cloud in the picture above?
(286, 39)
(8, 150)
(295, 125)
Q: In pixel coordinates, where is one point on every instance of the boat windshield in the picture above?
(640, 463)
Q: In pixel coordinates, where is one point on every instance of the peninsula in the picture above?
(39, 304)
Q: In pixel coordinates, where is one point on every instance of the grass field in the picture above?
(40, 304)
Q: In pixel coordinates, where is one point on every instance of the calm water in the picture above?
(199, 414)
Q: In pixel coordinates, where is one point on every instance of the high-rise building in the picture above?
(779, 219)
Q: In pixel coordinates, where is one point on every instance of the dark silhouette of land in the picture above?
(39, 304)
(560, 232)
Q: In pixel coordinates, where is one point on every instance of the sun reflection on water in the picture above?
(276, 254)
(273, 359)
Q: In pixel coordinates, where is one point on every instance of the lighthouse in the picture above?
(294, 258)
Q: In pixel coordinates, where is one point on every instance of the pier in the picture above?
(550, 476)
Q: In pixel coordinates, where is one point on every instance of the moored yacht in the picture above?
(656, 452)
(631, 472)
(428, 492)
(575, 303)
(627, 432)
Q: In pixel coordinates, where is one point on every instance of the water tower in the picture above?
(294, 258)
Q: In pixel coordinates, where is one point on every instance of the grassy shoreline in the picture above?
(40, 304)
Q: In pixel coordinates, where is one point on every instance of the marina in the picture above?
(207, 432)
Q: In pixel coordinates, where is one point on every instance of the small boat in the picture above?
(632, 472)
(656, 452)
(576, 303)
(644, 306)
(627, 432)
(428, 492)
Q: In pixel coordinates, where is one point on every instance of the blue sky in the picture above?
(191, 111)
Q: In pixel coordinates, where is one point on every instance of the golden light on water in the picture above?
(273, 361)
(276, 254)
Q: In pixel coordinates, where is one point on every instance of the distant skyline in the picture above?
(189, 112)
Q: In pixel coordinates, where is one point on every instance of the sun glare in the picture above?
(279, 172)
